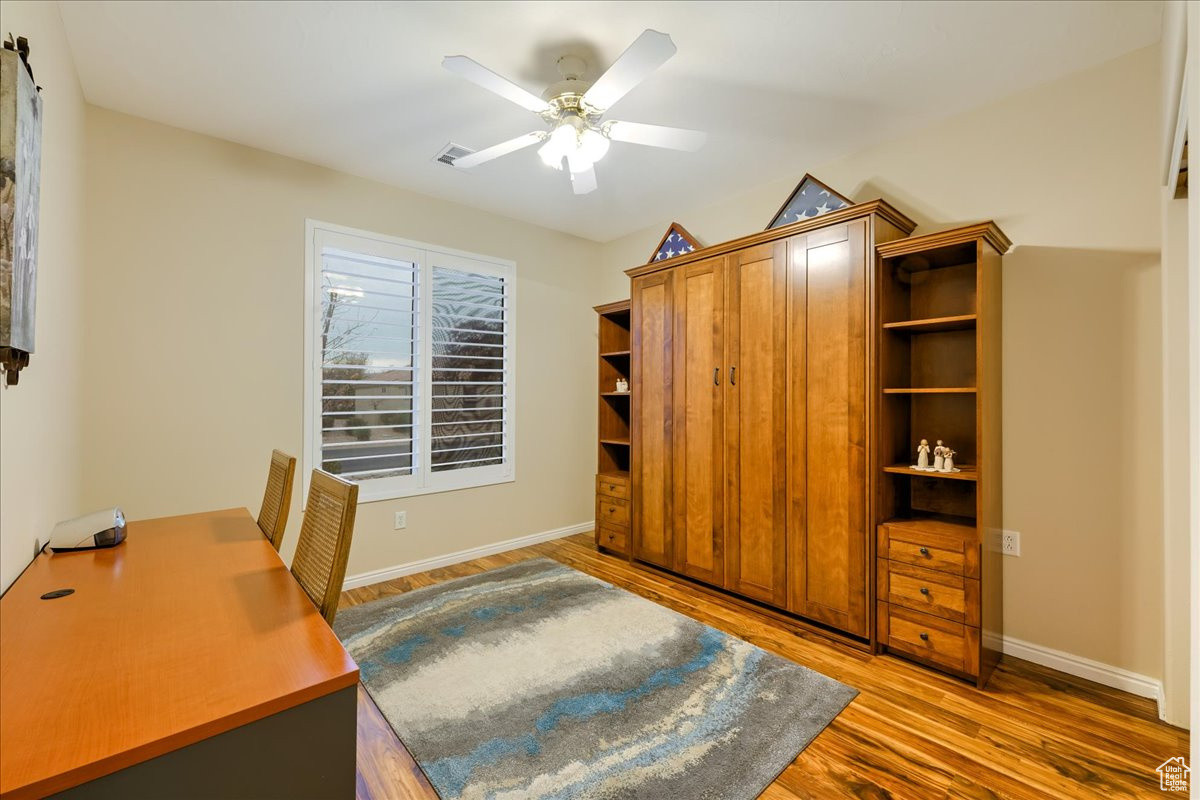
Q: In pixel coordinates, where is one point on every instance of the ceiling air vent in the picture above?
(451, 152)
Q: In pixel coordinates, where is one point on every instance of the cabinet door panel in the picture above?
(651, 364)
(699, 435)
(756, 532)
(828, 273)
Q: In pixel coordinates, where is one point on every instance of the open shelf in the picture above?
(965, 473)
(615, 473)
(958, 322)
(614, 346)
(949, 521)
(939, 390)
(913, 493)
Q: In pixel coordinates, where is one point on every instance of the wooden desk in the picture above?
(188, 663)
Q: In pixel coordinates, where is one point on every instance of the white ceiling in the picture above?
(779, 87)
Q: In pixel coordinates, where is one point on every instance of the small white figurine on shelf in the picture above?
(948, 461)
(622, 385)
(923, 455)
(939, 456)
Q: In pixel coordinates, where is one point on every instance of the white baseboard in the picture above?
(413, 567)
(1086, 668)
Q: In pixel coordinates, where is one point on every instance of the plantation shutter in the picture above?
(369, 320)
(469, 326)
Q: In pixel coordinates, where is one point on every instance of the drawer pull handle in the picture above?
(611, 509)
(925, 551)
(732, 375)
(716, 376)
(924, 637)
(925, 590)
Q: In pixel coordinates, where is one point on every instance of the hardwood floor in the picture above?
(911, 733)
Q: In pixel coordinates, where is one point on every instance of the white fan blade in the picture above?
(480, 75)
(497, 150)
(655, 135)
(647, 53)
(584, 182)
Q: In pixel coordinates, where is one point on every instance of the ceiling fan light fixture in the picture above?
(559, 144)
(592, 145)
(573, 139)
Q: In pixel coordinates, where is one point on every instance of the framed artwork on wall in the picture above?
(20, 174)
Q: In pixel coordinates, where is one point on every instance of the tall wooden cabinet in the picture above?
(939, 568)
(613, 428)
(698, 446)
(751, 455)
(652, 466)
(755, 452)
(828, 435)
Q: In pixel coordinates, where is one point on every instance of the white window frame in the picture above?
(319, 235)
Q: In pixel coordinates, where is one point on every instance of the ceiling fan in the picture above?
(575, 109)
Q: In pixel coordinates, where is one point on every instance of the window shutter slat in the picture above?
(369, 381)
(470, 320)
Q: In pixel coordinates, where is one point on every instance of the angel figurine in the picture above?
(923, 455)
(939, 456)
(948, 461)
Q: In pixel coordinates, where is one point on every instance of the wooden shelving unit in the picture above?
(938, 572)
(612, 424)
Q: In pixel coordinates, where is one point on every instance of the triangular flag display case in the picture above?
(675, 242)
(811, 198)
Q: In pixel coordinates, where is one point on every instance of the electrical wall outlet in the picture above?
(1010, 543)
(401, 519)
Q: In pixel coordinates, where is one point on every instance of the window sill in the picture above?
(365, 495)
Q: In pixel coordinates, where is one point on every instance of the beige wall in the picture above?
(194, 342)
(1177, 476)
(1193, 69)
(40, 467)
(1069, 172)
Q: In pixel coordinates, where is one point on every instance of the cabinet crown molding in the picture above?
(988, 231)
(880, 208)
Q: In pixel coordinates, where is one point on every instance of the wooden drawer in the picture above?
(612, 486)
(928, 638)
(612, 538)
(611, 511)
(941, 594)
(943, 547)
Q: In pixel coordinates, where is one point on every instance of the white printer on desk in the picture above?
(99, 529)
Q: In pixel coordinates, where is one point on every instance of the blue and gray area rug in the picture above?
(537, 681)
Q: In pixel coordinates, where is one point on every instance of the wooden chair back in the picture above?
(277, 499)
(324, 545)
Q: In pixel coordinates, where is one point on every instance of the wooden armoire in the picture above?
(752, 364)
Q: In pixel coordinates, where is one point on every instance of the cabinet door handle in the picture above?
(732, 374)
(925, 551)
(925, 590)
(924, 637)
(716, 376)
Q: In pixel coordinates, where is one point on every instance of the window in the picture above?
(408, 364)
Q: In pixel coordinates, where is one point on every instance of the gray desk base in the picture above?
(303, 752)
